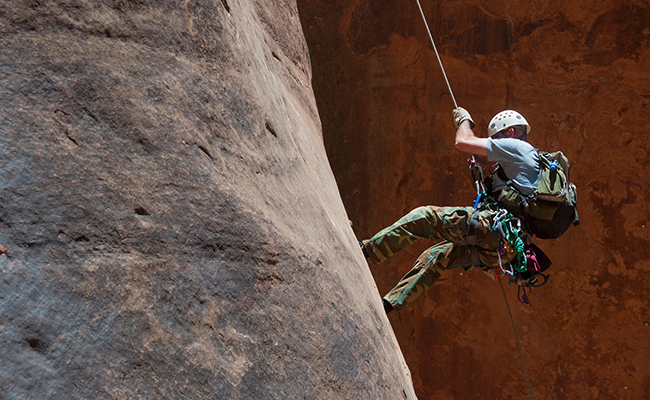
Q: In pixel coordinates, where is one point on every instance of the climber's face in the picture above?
(514, 132)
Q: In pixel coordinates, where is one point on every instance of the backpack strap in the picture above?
(508, 183)
(502, 174)
(576, 219)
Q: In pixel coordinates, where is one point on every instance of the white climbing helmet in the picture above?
(505, 119)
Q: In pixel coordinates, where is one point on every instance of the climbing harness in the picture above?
(511, 244)
(521, 265)
(481, 200)
(472, 240)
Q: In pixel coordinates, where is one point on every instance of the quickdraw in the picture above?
(477, 175)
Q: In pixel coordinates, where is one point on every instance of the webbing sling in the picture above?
(472, 240)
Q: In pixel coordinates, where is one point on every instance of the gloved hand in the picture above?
(460, 115)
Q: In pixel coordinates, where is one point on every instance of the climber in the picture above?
(487, 236)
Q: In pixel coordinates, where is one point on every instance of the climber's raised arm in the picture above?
(466, 141)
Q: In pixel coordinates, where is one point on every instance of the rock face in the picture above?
(578, 72)
(169, 223)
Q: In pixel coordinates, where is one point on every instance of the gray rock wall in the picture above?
(578, 72)
(169, 224)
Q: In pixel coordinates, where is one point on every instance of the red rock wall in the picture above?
(578, 71)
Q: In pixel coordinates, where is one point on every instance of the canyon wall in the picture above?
(169, 224)
(578, 71)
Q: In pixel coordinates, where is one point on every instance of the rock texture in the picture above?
(169, 223)
(579, 72)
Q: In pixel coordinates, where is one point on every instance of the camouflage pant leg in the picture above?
(426, 271)
(427, 222)
(449, 224)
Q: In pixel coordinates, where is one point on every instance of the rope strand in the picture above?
(437, 55)
(521, 352)
(435, 49)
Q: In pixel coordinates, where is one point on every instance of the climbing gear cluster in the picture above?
(524, 267)
(511, 242)
(522, 258)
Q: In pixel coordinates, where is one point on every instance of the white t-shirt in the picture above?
(519, 161)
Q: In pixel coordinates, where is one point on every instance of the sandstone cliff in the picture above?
(169, 223)
(579, 72)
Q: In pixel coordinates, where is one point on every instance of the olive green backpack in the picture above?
(551, 208)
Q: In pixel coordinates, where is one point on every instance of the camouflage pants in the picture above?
(449, 226)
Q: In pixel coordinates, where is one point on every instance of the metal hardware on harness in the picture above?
(496, 225)
(477, 175)
(536, 280)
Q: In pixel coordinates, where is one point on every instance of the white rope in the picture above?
(437, 55)
(435, 49)
(521, 353)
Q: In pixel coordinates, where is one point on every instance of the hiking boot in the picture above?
(363, 249)
(387, 306)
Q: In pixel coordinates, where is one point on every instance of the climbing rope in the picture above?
(437, 55)
(472, 163)
(521, 352)
(435, 49)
